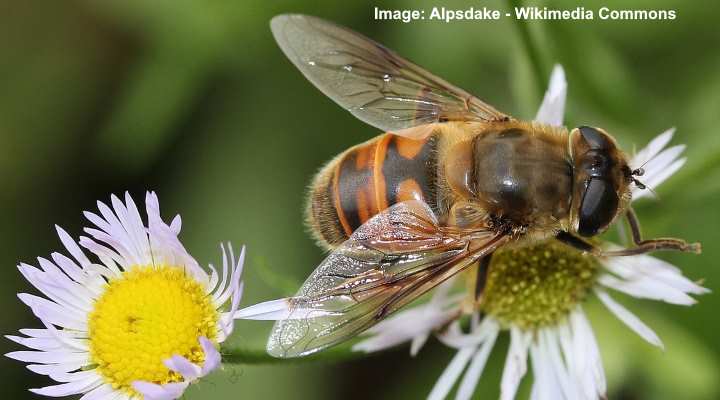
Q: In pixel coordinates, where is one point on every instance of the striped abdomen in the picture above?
(367, 179)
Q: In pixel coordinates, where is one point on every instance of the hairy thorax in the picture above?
(515, 173)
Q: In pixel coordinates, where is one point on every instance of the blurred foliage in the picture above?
(194, 99)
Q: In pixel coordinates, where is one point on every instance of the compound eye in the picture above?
(598, 207)
(595, 139)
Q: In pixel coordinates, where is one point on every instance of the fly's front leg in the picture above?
(640, 246)
(645, 246)
(481, 278)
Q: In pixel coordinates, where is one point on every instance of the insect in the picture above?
(451, 181)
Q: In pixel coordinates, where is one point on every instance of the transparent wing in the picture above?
(388, 262)
(371, 81)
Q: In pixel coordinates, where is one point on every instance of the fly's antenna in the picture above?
(640, 172)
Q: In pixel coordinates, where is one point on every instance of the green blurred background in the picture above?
(193, 99)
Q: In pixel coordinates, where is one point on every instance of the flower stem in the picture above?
(235, 354)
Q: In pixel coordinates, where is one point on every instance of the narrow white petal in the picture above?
(417, 343)
(71, 246)
(269, 310)
(657, 163)
(550, 338)
(183, 366)
(552, 108)
(70, 388)
(662, 160)
(212, 356)
(656, 179)
(53, 313)
(225, 273)
(102, 392)
(515, 364)
(110, 258)
(451, 374)
(83, 278)
(72, 376)
(545, 386)
(176, 224)
(44, 344)
(454, 337)
(49, 369)
(648, 267)
(168, 391)
(414, 324)
(49, 357)
(475, 370)
(585, 353)
(629, 319)
(646, 288)
(133, 227)
(652, 148)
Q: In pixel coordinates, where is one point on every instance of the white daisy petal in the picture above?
(49, 369)
(212, 356)
(416, 343)
(645, 288)
(552, 109)
(657, 163)
(53, 313)
(647, 267)
(654, 180)
(545, 386)
(73, 376)
(72, 247)
(629, 319)
(268, 311)
(652, 149)
(515, 364)
(176, 224)
(70, 388)
(454, 337)
(451, 374)
(184, 367)
(110, 259)
(475, 370)
(585, 353)
(45, 344)
(168, 391)
(49, 357)
(101, 392)
(414, 324)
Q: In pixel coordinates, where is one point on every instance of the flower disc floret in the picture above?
(539, 285)
(147, 315)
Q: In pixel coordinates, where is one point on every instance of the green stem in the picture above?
(234, 354)
(530, 48)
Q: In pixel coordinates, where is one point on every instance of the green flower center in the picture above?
(534, 286)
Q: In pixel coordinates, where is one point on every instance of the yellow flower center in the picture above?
(538, 285)
(144, 317)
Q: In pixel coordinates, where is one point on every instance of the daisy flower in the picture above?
(536, 293)
(141, 320)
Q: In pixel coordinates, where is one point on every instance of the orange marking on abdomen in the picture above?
(378, 176)
(409, 189)
(409, 148)
(356, 186)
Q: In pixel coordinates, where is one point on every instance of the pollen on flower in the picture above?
(538, 285)
(146, 316)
